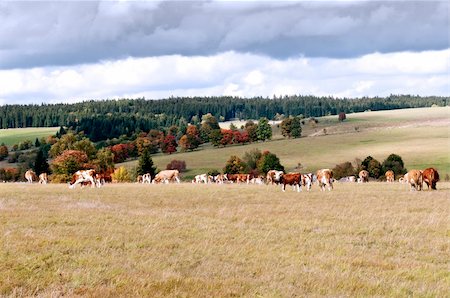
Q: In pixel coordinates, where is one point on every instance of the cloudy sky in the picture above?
(67, 51)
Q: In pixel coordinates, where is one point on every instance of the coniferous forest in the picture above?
(106, 119)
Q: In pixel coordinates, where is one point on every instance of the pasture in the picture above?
(420, 136)
(186, 240)
(13, 136)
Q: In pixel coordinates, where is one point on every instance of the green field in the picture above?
(359, 240)
(420, 136)
(13, 136)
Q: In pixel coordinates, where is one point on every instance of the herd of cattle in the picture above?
(324, 178)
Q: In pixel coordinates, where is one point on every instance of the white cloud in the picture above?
(231, 73)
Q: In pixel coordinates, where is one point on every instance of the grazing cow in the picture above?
(325, 179)
(390, 176)
(202, 178)
(238, 178)
(414, 178)
(363, 176)
(30, 175)
(430, 177)
(294, 179)
(84, 177)
(146, 178)
(166, 176)
(257, 180)
(347, 179)
(43, 178)
(272, 175)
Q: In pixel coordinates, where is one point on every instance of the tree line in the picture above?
(107, 119)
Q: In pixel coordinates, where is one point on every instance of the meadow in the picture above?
(374, 239)
(13, 136)
(420, 136)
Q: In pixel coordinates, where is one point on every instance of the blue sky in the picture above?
(67, 51)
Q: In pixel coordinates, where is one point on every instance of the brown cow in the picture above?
(430, 176)
(390, 176)
(414, 178)
(363, 176)
(238, 178)
(294, 179)
(325, 178)
(84, 177)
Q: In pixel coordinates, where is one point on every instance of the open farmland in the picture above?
(420, 136)
(374, 239)
(13, 136)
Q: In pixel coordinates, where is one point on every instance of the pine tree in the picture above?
(40, 164)
(145, 164)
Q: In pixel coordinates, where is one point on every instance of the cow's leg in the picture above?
(283, 187)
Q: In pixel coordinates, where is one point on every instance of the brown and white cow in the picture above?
(390, 176)
(307, 180)
(414, 178)
(84, 177)
(238, 178)
(325, 179)
(139, 179)
(147, 178)
(221, 178)
(43, 178)
(430, 177)
(166, 176)
(294, 179)
(272, 175)
(30, 176)
(363, 176)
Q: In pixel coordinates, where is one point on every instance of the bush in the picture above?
(234, 165)
(179, 165)
(269, 161)
(343, 170)
(394, 163)
(121, 175)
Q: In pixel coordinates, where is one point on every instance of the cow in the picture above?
(221, 178)
(43, 178)
(325, 179)
(166, 176)
(139, 179)
(347, 179)
(202, 178)
(430, 177)
(271, 176)
(257, 180)
(294, 179)
(84, 177)
(403, 179)
(238, 178)
(147, 178)
(363, 176)
(390, 176)
(30, 175)
(414, 178)
(307, 180)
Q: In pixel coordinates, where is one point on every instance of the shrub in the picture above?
(394, 163)
(121, 175)
(269, 161)
(234, 165)
(179, 165)
(343, 170)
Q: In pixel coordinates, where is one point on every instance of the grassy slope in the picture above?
(15, 135)
(186, 240)
(420, 136)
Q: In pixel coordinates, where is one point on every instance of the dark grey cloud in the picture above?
(68, 33)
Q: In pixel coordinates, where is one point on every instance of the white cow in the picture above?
(202, 178)
(84, 176)
(147, 178)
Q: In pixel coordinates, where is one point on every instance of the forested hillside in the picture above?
(111, 118)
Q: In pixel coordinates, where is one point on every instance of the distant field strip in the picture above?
(359, 240)
(15, 135)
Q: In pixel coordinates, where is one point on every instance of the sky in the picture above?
(70, 51)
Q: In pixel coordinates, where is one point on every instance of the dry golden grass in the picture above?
(186, 240)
